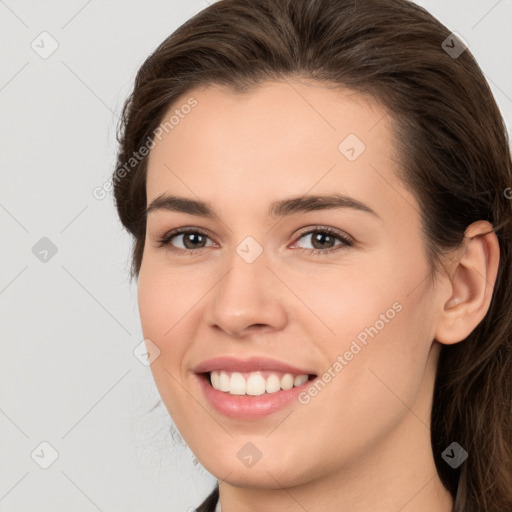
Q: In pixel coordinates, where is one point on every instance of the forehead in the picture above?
(277, 114)
(280, 138)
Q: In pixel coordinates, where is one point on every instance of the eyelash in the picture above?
(165, 241)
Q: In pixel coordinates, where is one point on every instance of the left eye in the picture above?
(324, 240)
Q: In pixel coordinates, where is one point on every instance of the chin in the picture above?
(263, 475)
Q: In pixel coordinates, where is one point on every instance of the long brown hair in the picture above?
(454, 155)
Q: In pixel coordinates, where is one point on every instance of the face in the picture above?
(263, 287)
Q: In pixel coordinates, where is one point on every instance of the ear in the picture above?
(472, 279)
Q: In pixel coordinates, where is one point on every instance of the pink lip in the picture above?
(245, 406)
(249, 407)
(253, 364)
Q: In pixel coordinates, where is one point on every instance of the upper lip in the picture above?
(252, 364)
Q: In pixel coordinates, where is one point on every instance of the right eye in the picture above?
(191, 240)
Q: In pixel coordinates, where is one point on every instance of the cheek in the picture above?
(370, 387)
(165, 297)
(381, 323)
(165, 302)
(344, 302)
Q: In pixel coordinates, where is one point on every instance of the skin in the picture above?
(363, 443)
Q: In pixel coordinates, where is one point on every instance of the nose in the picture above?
(248, 298)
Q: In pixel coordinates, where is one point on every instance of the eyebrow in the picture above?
(280, 208)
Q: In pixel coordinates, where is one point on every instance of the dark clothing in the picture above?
(210, 502)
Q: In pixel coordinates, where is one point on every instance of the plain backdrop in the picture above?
(69, 317)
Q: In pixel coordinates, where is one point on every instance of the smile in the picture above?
(251, 388)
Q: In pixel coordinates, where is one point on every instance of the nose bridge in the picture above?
(247, 294)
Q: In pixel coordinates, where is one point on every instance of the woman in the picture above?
(317, 192)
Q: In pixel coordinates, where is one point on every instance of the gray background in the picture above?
(70, 322)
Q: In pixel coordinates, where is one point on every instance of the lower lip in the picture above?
(247, 406)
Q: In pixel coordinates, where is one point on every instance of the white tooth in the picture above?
(299, 380)
(223, 382)
(273, 383)
(215, 377)
(237, 384)
(287, 381)
(255, 384)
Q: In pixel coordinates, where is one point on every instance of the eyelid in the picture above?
(325, 229)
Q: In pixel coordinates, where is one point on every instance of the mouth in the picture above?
(251, 388)
(254, 383)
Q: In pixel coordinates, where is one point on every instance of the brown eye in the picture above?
(187, 240)
(192, 240)
(324, 241)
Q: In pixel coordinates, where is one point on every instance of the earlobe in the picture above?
(472, 282)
